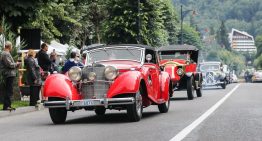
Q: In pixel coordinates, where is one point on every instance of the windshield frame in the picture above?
(200, 67)
(142, 54)
(172, 53)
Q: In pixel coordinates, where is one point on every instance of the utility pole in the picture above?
(139, 22)
(181, 25)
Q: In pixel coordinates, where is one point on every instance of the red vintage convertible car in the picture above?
(120, 77)
(180, 61)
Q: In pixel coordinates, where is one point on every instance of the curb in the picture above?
(21, 110)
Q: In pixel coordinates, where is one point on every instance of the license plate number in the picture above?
(89, 102)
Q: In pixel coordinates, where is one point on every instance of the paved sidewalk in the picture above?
(21, 110)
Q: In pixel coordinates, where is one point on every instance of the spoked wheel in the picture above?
(190, 88)
(58, 115)
(100, 111)
(134, 111)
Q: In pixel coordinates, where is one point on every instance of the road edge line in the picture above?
(183, 133)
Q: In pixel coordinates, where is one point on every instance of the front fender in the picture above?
(59, 85)
(127, 82)
(165, 85)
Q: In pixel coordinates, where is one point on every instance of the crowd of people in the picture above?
(38, 66)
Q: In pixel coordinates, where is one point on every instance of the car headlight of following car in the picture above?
(180, 71)
(111, 72)
(75, 73)
(92, 76)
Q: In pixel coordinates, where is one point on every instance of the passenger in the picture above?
(73, 61)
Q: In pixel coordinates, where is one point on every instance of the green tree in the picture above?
(222, 36)
(170, 21)
(191, 36)
(258, 42)
(123, 18)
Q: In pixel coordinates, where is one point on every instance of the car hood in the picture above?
(122, 65)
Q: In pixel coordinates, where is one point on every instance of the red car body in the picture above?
(138, 83)
(180, 61)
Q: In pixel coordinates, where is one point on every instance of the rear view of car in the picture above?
(257, 76)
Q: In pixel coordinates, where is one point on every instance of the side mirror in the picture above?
(148, 57)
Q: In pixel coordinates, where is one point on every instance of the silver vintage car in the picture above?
(213, 74)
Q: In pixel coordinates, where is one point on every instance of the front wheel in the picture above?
(199, 92)
(134, 111)
(190, 88)
(100, 111)
(224, 85)
(58, 115)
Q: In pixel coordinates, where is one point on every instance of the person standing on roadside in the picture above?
(45, 63)
(54, 66)
(43, 59)
(9, 73)
(33, 77)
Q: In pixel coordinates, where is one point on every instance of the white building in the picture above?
(241, 41)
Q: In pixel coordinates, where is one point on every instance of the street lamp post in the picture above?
(183, 14)
(138, 22)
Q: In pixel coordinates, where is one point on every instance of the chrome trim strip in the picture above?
(89, 102)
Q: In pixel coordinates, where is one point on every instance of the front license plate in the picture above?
(86, 103)
(89, 103)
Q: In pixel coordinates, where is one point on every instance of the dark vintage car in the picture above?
(213, 74)
(120, 77)
(180, 61)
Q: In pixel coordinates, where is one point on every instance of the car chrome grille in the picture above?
(99, 87)
(209, 78)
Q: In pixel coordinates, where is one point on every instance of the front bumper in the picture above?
(89, 102)
(218, 83)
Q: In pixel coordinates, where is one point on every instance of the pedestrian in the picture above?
(54, 66)
(9, 67)
(33, 77)
(43, 59)
(73, 61)
(45, 64)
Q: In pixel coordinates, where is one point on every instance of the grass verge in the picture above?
(17, 104)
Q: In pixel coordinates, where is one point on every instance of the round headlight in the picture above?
(92, 76)
(111, 72)
(180, 71)
(75, 73)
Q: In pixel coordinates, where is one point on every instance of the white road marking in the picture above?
(182, 134)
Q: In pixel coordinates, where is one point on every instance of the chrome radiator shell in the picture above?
(94, 89)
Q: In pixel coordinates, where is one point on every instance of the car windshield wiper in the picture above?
(104, 49)
(130, 51)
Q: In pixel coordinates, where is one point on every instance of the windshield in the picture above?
(209, 67)
(173, 55)
(115, 53)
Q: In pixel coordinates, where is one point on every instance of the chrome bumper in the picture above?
(89, 102)
(212, 84)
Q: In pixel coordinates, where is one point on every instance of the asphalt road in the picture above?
(237, 118)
